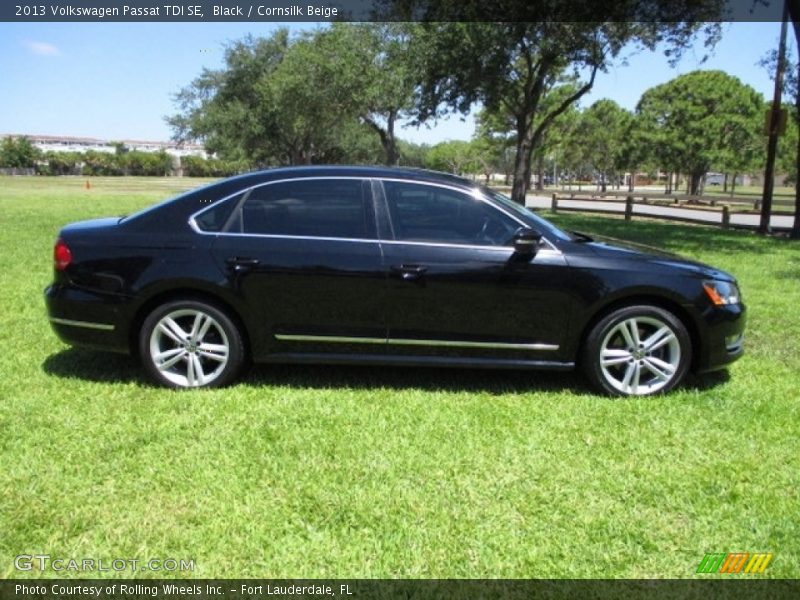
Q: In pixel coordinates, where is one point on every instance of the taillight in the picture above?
(62, 255)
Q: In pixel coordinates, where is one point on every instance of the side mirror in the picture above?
(526, 241)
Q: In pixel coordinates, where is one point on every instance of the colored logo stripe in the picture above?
(758, 563)
(735, 562)
(711, 563)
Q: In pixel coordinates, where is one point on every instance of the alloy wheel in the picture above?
(189, 348)
(640, 355)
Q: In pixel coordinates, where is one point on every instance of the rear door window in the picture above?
(335, 208)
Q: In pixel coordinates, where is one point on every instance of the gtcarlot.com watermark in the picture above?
(57, 564)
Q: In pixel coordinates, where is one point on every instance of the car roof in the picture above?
(410, 173)
(179, 208)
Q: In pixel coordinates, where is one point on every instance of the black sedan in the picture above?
(382, 266)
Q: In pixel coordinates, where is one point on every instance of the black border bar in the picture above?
(717, 587)
(262, 11)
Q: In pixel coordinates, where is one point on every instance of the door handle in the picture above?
(241, 264)
(409, 272)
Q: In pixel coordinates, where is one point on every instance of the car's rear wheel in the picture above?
(189, 344)
(637, 351)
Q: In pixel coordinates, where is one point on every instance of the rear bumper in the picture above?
(724, 337)
(84, 318)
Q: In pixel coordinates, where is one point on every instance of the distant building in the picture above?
(59, 143)
(720, 179)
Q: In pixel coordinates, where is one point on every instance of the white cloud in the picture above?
(41, 48)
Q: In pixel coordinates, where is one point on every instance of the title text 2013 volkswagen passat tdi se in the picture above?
(382, 266)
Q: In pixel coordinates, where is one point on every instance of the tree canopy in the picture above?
(701, 120)
(18, 153)
(604, 127)
(510, 66)
(298, 101)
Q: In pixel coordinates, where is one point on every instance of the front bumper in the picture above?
(723, 337)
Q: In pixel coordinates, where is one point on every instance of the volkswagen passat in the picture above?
(382, 266)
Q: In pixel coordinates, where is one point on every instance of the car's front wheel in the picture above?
(190, 343)
(637, 351)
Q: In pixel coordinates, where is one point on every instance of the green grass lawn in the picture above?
(381, 472)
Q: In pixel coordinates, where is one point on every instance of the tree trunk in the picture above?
(603, 182)
(795, 234)
(522, 170)
(632, 180)
(794, 11)
(694, 183)
(772, 141)
(529, 173)
(725, 183)
(387, 137)
(668, 189)
(390, 143)
(733, 184)
(540, 173)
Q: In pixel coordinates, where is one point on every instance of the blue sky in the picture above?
(116, 80)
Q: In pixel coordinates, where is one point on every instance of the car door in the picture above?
(303, 255)
(456, 286)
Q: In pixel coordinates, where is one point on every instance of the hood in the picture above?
(624, 250)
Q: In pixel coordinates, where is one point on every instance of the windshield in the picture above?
(546, 227)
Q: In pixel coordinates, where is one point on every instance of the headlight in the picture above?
(722, 292)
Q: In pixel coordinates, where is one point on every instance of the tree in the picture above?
(454, 156)
(18, 153)
(413, 155)
(604, 126)
(370, 64)
(61, 163)
(136, 162)
(793, 8)
(494, 142)
(100, 163)
(499, 128)
(491, 143)
(634, 151)
(196, 166)
(227, 110)
(307, 103)
(298, 101)
(561, 131)
(509, 65)
(695, 120)
(789, 145)
(485, 154)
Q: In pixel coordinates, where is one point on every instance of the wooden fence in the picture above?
(708, 206)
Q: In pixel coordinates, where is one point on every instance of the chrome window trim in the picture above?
(84, 324)
(413, 342)
(247, 190)
(193, 223)
(477, 194)
(297, 237)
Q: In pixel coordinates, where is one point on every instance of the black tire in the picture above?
(618, 359)
(176, 358)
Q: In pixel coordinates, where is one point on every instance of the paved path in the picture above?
(711, 217)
